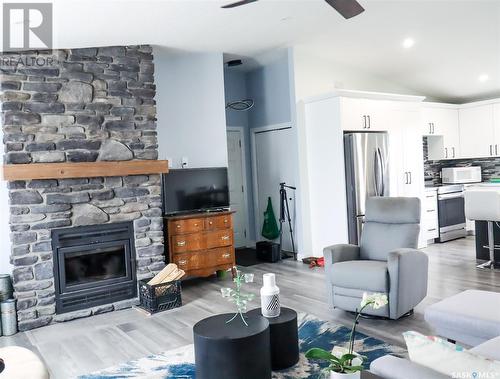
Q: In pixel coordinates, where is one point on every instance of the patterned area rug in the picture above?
(179, 363)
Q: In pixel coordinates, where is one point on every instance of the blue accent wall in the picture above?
(235, 88)
(269, 86)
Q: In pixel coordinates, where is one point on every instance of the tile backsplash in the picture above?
(490, 167)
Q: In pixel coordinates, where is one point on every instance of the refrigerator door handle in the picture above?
(381, 178)
(376, 173)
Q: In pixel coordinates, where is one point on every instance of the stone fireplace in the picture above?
(92, 104)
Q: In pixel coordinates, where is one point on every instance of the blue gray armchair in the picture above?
(386, 261)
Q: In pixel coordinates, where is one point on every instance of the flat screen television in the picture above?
(195, 190)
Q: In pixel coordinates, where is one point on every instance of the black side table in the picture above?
(234, 350)
(284, 338)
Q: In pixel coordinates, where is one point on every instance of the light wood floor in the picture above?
(85, 345)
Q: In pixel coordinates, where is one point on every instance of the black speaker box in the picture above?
(268, 251)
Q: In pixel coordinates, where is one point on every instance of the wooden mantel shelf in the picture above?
(31, 171)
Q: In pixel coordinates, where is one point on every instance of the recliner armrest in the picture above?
(340, 253)
(406, 256)
(408, 271)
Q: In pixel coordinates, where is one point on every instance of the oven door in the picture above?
(451, 208)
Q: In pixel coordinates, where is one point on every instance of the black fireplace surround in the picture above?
(93, 265)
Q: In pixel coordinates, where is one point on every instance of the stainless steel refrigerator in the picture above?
(367, 174)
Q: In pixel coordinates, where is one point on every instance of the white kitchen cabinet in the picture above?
(364, 114)
(478, 137)
(440, 124)
(406, 158)
(430, 221)
(496, 127)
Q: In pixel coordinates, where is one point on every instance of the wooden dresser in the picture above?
(201, 243)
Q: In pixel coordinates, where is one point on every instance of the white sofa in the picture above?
(21, 363)
(471, 318)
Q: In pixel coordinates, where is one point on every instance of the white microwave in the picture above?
(461, 175)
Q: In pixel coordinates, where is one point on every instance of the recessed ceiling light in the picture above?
(408, 43)
(483, 78)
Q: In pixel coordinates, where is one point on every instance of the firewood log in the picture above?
(160, 277)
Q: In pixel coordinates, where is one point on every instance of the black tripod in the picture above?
(285, 216)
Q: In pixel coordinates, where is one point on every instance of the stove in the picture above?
(451, 212)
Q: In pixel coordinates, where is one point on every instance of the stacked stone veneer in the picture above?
(86, 105)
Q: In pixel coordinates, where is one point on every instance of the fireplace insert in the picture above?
(93, 265)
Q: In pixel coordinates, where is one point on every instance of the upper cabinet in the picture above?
(364, 114)
(479, 136)
(441, 125)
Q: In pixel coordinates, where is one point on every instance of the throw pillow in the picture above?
(448, 358)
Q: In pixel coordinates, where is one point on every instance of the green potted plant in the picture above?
(344, 363)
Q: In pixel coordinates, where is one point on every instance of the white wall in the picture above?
(326, 177)
(316, 75)
(190, 108)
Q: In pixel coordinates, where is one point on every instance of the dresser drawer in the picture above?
(189, 261)
(192, 225)
(188, 242)
(222, 256)
(219, 238)
(218, 222)
(205, 258)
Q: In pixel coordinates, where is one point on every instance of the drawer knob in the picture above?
(210, 223)
(178, 226)
(183, 262)
(226, 255)
(225, 238)
(225, 221)
(181, 243)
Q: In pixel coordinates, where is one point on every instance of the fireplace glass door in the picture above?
(93, 265)
(87, 266)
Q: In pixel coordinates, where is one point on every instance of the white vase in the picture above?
(269, 297)
(336, 375)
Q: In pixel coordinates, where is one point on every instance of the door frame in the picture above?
(253, 133)
(241, 131)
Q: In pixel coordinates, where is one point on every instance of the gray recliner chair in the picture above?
(387, 260)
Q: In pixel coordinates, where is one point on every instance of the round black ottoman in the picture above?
(234, 350)
(284, 338)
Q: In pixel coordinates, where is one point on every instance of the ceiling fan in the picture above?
(347, 8)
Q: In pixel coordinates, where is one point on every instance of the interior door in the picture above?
(236, 187)
(273, 165)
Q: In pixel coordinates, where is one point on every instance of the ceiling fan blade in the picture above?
(238, 3)
(347, 8)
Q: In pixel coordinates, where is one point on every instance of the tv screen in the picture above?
(195, 190)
